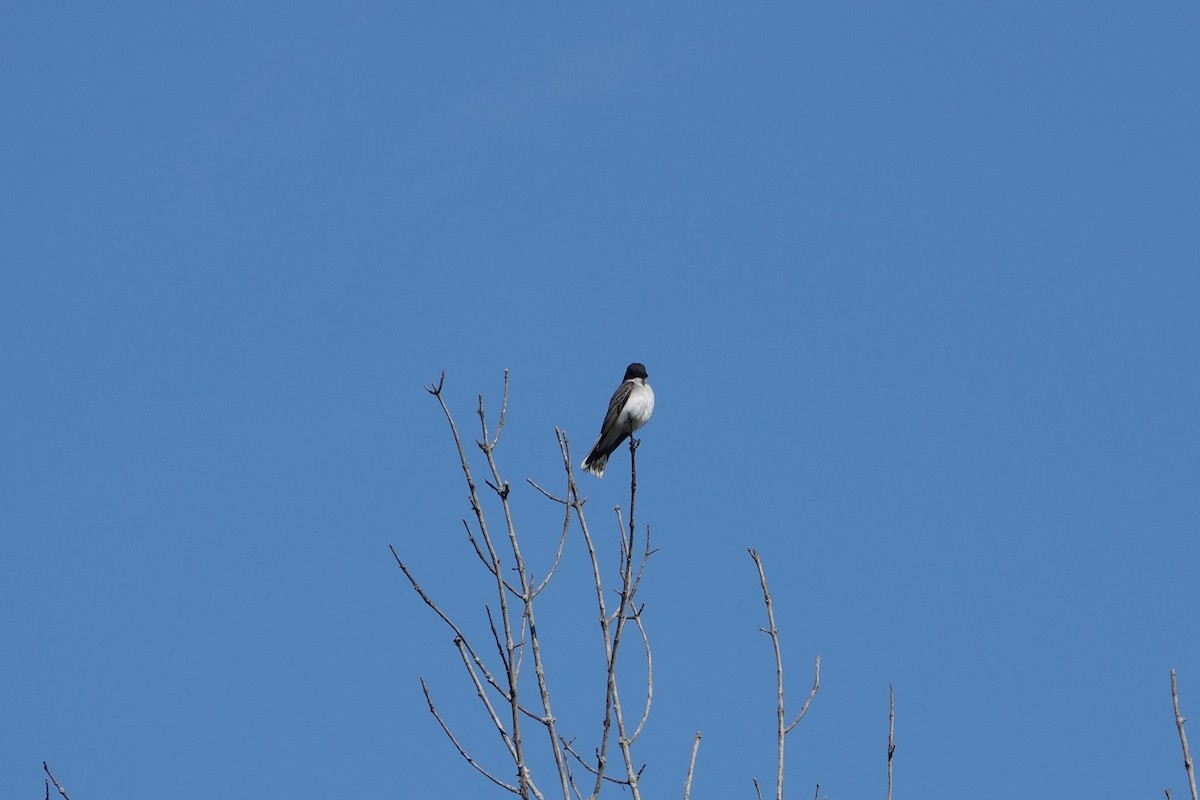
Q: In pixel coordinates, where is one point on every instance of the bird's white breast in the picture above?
(639, 407)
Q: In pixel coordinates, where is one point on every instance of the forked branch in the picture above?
(782, 729)
(57, 785)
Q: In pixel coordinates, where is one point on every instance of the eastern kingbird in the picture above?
(630, 408)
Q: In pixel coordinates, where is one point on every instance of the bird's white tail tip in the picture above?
(595, 466)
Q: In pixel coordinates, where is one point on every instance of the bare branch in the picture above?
(458, 634)
(503, 412)
(574, 785)
(496, 638)
(545, 494)
(624, 613)
(570, 748)
(488, 565)
(813, 693)
(478, 551)
(773, 632)
(503, 588)
(781, 730)
(1187, 753)
(637, 620)
(461, 751)
(891, 736)
(435, 389)
(487, 703)
(562, 540)
(687, 785)
(577, 506)
(57, 785)
(633, 446)
(757, 788)
(611, 627)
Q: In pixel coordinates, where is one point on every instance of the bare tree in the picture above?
(514, 630)
(502, 686)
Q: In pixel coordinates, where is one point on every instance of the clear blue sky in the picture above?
(917, 285)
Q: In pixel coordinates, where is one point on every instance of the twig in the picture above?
(57, 785)
(569, 747)
(637, 620)
(503, 413)
(496, 637)
(812, 693)
(633, 446)
(1187, 753)
(757, 788)
(687, 785)
(891, 736)
(458, 634)
(481, 693)
(562, 540)
(461, 751)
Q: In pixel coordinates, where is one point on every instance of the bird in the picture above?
(629, 409)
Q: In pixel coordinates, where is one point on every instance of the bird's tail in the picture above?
(595, 463)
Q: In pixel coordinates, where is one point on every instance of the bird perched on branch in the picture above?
(630, 408)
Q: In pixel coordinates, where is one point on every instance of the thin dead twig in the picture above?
(891, 736)
(811, 694)
(649, 678)
(569, 747)
(1187, 753)
(461, 750)
(687, 784)
(57, 785)
(558, 553)
(458, 633)
(503, 412)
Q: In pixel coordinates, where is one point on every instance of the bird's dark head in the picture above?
(635, 370)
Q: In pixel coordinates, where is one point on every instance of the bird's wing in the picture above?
(615, 406)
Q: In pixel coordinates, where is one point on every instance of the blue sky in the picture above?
(916, 285)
